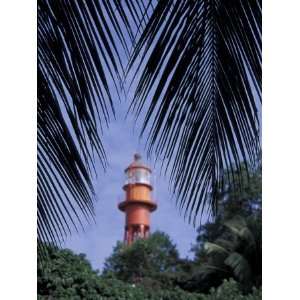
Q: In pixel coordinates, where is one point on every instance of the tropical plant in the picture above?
(230, 246)
(239, 255)
(199, 80)
(238, 197)
(81, 50)
(65, 275)
(149, 261)
(230, 290)
(199, 88)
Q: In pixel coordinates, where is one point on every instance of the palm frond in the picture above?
(228, 244)
(199, 83)
(238, 227)
(206, 269)
(240, 266)
(79, 63)
(215, 248)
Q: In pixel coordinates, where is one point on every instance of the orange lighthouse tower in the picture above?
(138, 203)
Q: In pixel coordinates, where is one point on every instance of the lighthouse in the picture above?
(138, 203)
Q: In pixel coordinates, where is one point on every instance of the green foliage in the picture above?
(64, 275)
(231, 245)
(241, 198)
(239, 256)
(227, 260)
(116, 289)
(229, 290)
(152, 259)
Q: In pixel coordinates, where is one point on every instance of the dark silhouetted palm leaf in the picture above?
(199, 83)
(78, 65)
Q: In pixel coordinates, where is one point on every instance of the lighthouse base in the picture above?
(134, 232)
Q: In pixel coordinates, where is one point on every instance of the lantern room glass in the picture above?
(138, 175)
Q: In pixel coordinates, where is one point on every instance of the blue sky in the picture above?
(121, 142)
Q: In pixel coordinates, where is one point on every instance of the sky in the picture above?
(121, 141)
